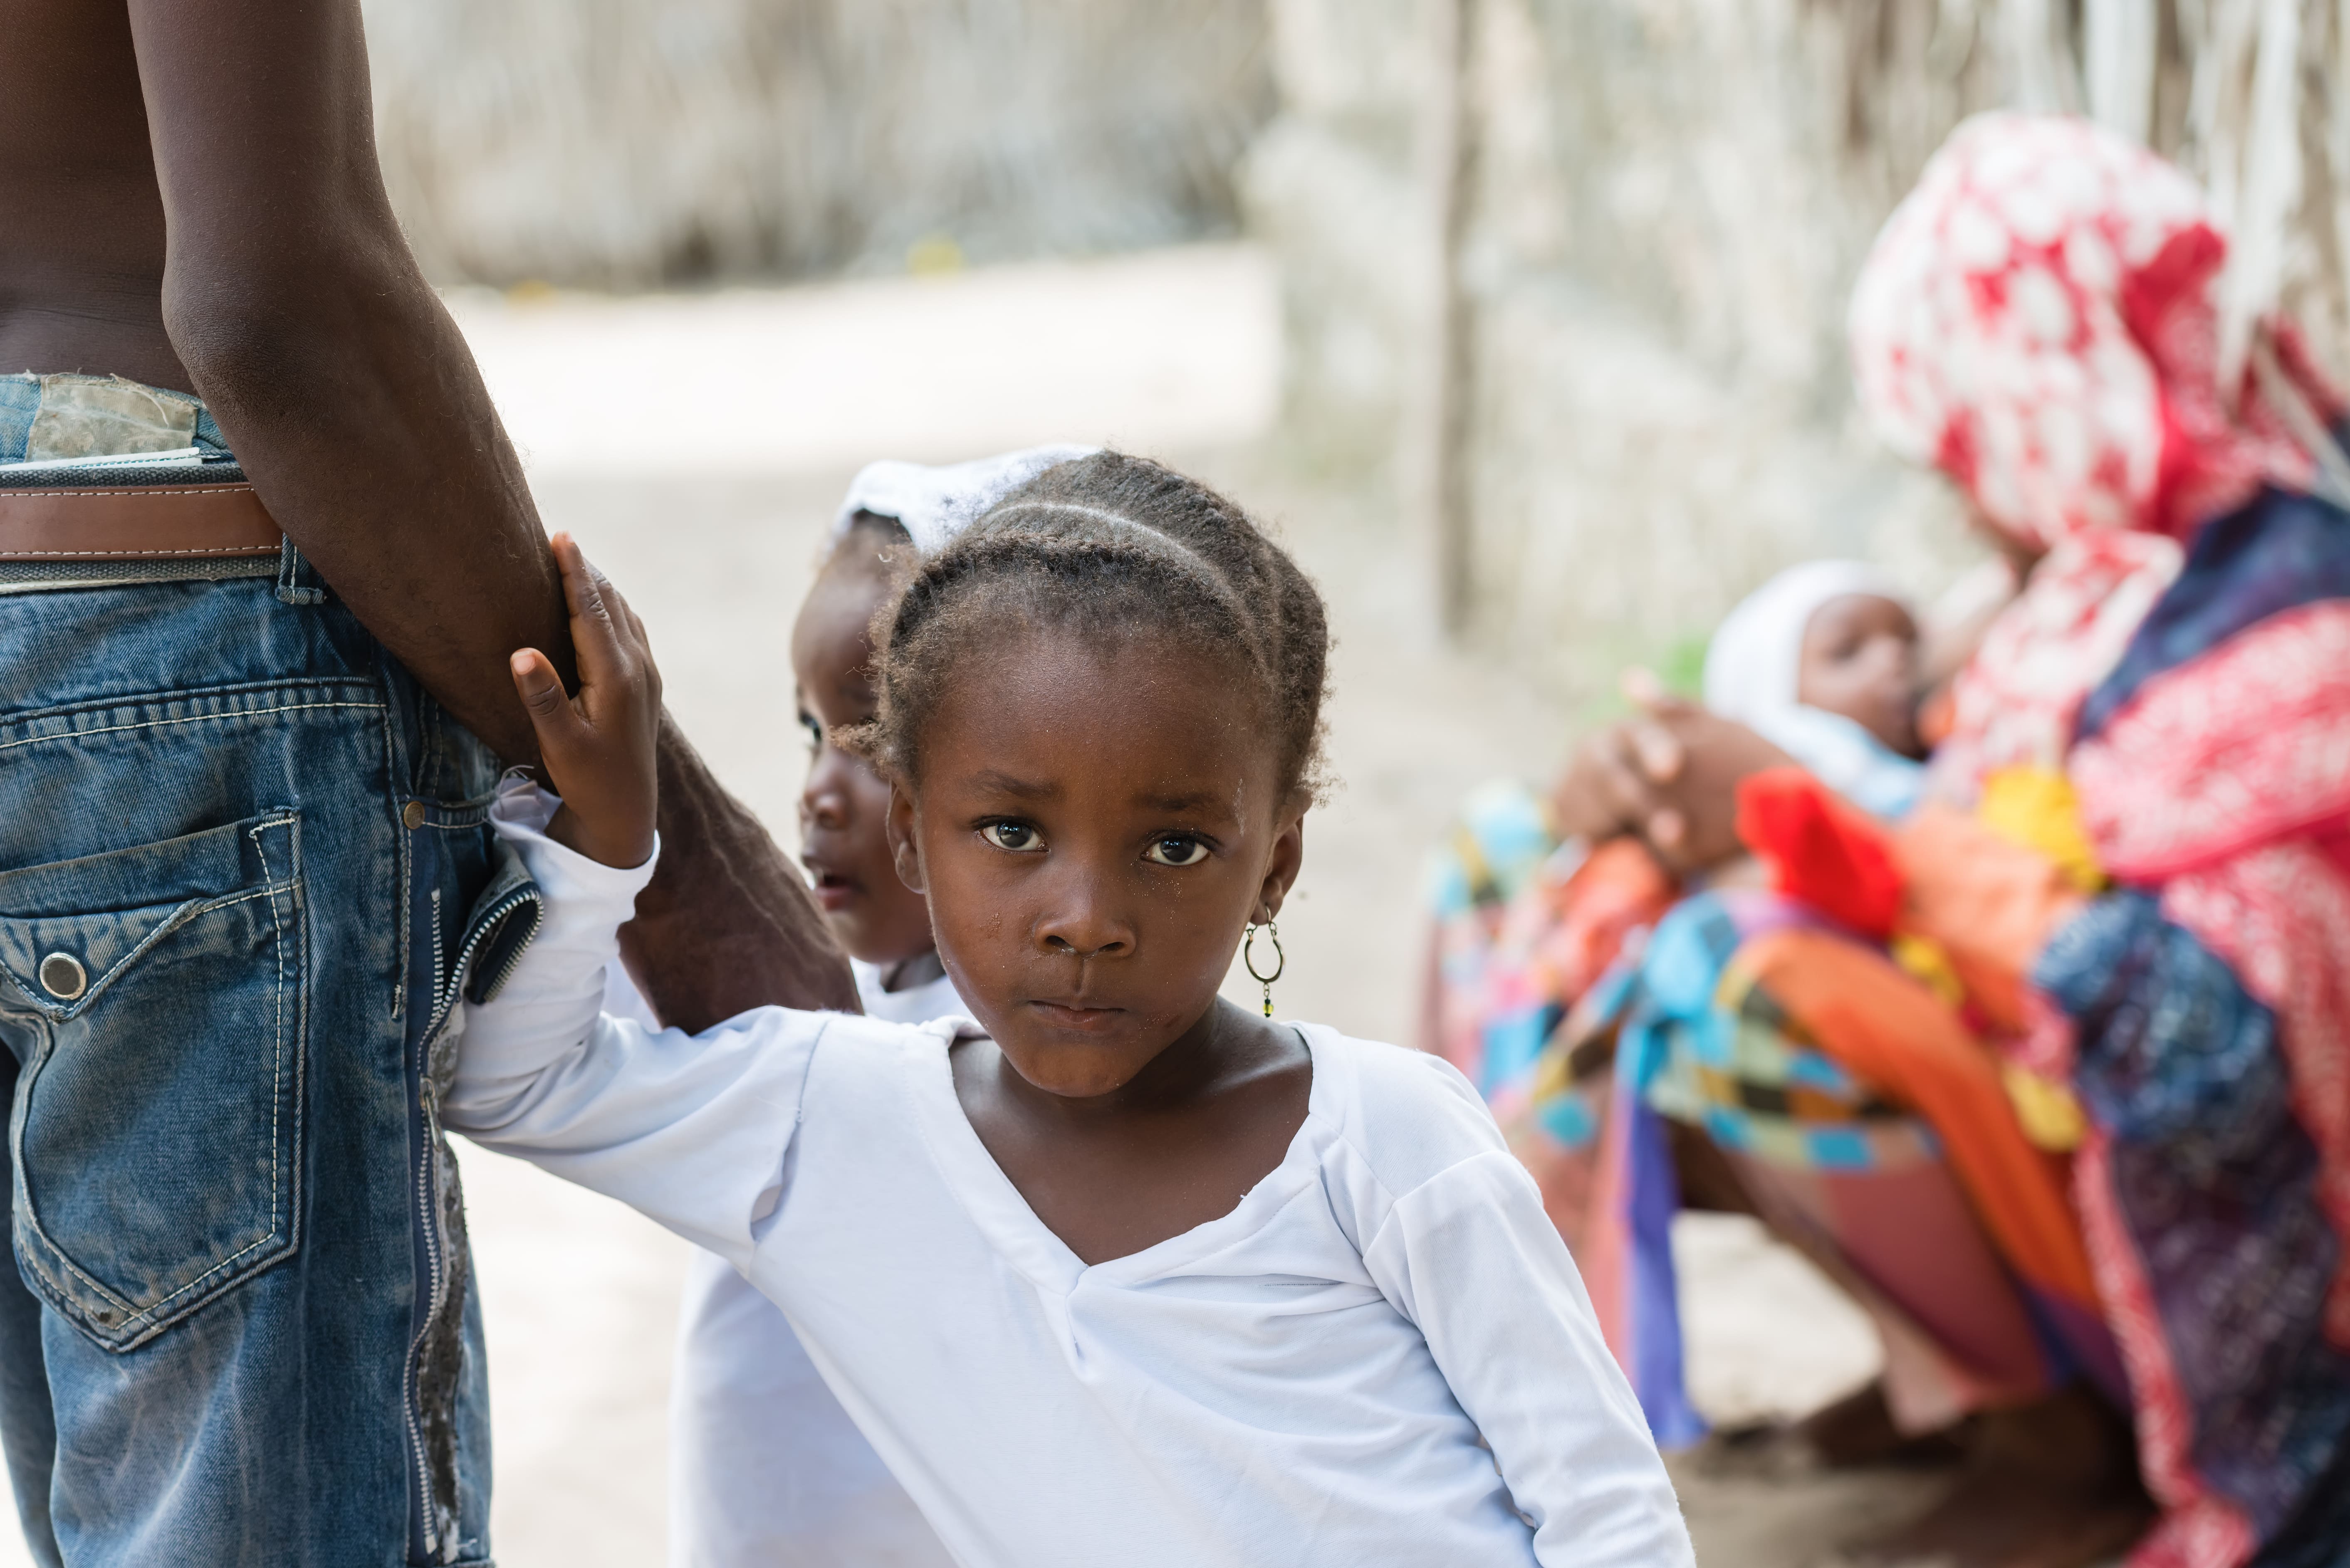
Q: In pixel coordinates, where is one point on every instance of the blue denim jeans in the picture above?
(244, 862)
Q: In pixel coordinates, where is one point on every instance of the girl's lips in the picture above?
(1067, 1015)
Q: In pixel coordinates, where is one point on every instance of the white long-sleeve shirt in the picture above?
(1382, 1355)
(764, 1466)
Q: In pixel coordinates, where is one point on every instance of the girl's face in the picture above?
(845, 809)
(1094, 827)
(1860, 659)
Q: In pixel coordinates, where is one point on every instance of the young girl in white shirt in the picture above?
(1122, 1272)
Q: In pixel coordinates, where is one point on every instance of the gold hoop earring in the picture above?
(1248, 959)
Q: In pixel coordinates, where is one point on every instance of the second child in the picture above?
(764, 1465)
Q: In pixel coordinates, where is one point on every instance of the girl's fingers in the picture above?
(595, 639)
(583, 585)
(636, 622)
(629, 630)
(629, 626)
(572, 565)
(543, 698)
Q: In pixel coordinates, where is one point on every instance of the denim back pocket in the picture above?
(157, 1129)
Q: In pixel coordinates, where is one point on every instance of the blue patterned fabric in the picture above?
(2217, 1185)
(2279, 552)
(1738, 1069)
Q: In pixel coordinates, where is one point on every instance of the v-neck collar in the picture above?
(1031, 1246)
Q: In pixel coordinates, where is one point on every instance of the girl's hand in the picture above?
(597, 748)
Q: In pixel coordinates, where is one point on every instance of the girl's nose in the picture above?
(1084, 928)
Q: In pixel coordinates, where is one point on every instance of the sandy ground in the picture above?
(696, 446)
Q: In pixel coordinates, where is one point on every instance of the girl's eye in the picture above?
(1018, 836)
(814, 732)
(1176, 850)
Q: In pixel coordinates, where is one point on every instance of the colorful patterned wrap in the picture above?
(1604, 1011)
(1870, 1129)
(2038, 320)
(1514, 950)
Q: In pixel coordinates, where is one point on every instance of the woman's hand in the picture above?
(1669, 776)
(597, 748)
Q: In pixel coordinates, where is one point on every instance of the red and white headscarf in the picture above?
(2038, 320)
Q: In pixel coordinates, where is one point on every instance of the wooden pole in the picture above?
(1438, 410)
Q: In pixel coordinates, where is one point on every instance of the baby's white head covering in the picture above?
(935, 503)
(1754, 665)
(1754, 668)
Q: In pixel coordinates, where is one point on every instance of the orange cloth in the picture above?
(1887, 1029)
(1990, 902)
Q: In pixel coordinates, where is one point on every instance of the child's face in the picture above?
(845, 808)
(1094, 827)
(1860, 659)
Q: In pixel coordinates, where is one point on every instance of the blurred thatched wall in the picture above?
(629, 142)
(1658, 209)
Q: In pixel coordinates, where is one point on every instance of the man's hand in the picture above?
(1669, 776)
(598, 747)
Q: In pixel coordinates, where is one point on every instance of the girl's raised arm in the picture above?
(691, 1130)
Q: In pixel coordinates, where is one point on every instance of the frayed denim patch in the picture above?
(106, 416)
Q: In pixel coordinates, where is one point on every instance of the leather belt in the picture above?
(157, 523)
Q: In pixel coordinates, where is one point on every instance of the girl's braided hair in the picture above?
(1110, 547)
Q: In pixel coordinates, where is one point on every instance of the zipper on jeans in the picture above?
(437, 1284)
(448, 979)
(428, 1221)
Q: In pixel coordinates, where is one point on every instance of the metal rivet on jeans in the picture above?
(412, 815)
(63, 977)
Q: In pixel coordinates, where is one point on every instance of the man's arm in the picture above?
(340, 381)
(730, 926)
(356, 409)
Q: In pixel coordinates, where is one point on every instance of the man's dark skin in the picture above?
(194, 202)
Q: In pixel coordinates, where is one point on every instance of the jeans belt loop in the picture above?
(298, 582)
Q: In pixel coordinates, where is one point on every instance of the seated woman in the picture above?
(2125, 1033)
(1823, 659)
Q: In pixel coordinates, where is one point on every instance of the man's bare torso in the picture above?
(81, 217)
